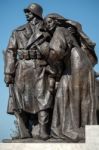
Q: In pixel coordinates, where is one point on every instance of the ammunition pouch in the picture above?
(23, 54)
(29, 54)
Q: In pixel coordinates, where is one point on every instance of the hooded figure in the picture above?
(75, 101)
(86, 43)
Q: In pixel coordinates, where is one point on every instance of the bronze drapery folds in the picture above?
(75, 101)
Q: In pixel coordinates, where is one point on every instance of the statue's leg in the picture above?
(43, 118)
(23, 125)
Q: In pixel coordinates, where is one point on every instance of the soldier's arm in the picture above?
(10, 59)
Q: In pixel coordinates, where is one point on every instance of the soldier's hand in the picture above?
(8, 79)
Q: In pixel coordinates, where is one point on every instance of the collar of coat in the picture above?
(33, 22)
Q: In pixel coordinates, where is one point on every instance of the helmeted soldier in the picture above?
(25, 69)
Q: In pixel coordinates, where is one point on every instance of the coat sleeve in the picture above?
(57, 51)
(58, 45)
(10, 55)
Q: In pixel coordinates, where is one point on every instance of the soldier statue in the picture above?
(30, 83)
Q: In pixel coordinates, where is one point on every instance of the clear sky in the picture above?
(12, 16)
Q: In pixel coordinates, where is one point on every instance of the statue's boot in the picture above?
(43, 119)
(24, 131)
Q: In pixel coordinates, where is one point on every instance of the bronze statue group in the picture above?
(49, 71)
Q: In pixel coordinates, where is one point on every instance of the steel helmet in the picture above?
(35, 9)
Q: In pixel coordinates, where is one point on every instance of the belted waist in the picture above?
(29, 54)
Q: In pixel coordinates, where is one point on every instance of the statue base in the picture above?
(32, 140)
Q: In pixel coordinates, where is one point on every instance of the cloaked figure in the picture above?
(75, 101)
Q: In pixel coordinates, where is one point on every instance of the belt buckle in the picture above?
(26, 54)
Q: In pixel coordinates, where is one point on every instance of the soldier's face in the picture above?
(29, 15)
(50, 24)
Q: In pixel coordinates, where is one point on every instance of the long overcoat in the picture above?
(31, 83)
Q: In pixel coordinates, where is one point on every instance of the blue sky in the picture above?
(12, 16)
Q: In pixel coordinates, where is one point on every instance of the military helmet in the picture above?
(35, 9)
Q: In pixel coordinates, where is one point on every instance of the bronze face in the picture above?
(50, 23)
(29, 15)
